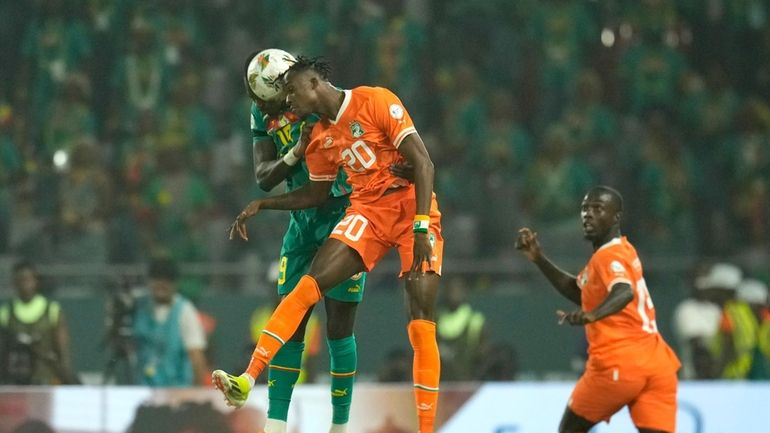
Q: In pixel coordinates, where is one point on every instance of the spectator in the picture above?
(556, 177)
(170, 340)
(11, 170)
(85, 196)
(696, 320)
(753, 294)
(461, 333)
(652, 71)
(71, 119)
(733, 346)
(35, 347)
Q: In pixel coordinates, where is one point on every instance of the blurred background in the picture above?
(124, 133)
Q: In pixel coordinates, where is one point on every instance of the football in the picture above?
(264, 72)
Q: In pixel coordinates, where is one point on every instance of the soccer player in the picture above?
(365, 130)
(629, 363)
(276, 132)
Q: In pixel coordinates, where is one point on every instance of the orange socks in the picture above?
(283, 323)
(426, 371)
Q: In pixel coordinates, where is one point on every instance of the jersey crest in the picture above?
(356, 129)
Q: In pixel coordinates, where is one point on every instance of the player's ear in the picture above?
(313, 82)
(618, 216)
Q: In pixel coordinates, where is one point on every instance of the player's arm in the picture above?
(312, 194)
(564, 282)
(620, 295)
(413, 149)
(269, 170)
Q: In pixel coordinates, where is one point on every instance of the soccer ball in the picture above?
(265, 70)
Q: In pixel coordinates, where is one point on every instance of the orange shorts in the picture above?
(372, 229)
(651, 398)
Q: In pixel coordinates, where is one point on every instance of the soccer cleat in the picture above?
(235, 388)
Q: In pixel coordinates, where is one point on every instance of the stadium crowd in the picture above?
(124, 123)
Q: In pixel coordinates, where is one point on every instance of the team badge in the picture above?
(396, 111)
(617, 267)
(355, 129)
(328, 142)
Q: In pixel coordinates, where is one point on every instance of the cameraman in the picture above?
(34, 340)
(169, 336)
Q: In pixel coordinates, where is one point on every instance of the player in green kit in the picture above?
(275, 132)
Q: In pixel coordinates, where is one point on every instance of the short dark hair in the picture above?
(163, 268)
(317, 64)
(617, 198)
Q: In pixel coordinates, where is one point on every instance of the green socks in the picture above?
(283, 373)
(285, 368)
(344, 360)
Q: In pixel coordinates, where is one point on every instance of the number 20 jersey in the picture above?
(363, 139)
(628, 338)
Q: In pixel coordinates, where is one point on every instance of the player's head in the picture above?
(163, 274)
(262, 73)
(600, 212)
(303, 82)
(25, 280)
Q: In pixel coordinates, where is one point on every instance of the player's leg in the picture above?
(574, 423)
(343, 356)
(599, 394)
(285, 368)
(654, 409)
(421, 294)
(333, 263)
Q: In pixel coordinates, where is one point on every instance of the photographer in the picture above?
(168, 334)
(34, 340)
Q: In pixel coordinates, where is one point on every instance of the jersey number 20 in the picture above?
(359, 156)
(352, 227)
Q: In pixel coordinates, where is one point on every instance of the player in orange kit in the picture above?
(366, 131)
(629, 363)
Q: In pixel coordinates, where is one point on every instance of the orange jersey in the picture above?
(628, 338)
(364, 140)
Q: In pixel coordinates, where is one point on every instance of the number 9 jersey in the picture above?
(630, 337)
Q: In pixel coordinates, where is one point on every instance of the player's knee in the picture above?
(422, 289)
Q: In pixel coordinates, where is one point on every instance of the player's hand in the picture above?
(304, 140)
(239, 225)
(575, 318)
(422, 251)
(403, 170)
(528, 244)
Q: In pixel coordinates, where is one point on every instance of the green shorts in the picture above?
(292, 268)
(308, 230)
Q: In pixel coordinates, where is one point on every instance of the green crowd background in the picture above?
(124, 131)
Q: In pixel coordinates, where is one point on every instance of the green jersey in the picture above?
(308, 228)
(285, 131)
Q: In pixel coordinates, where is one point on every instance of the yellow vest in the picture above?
(744, 333)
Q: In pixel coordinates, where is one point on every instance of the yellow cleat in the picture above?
(235, 388)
